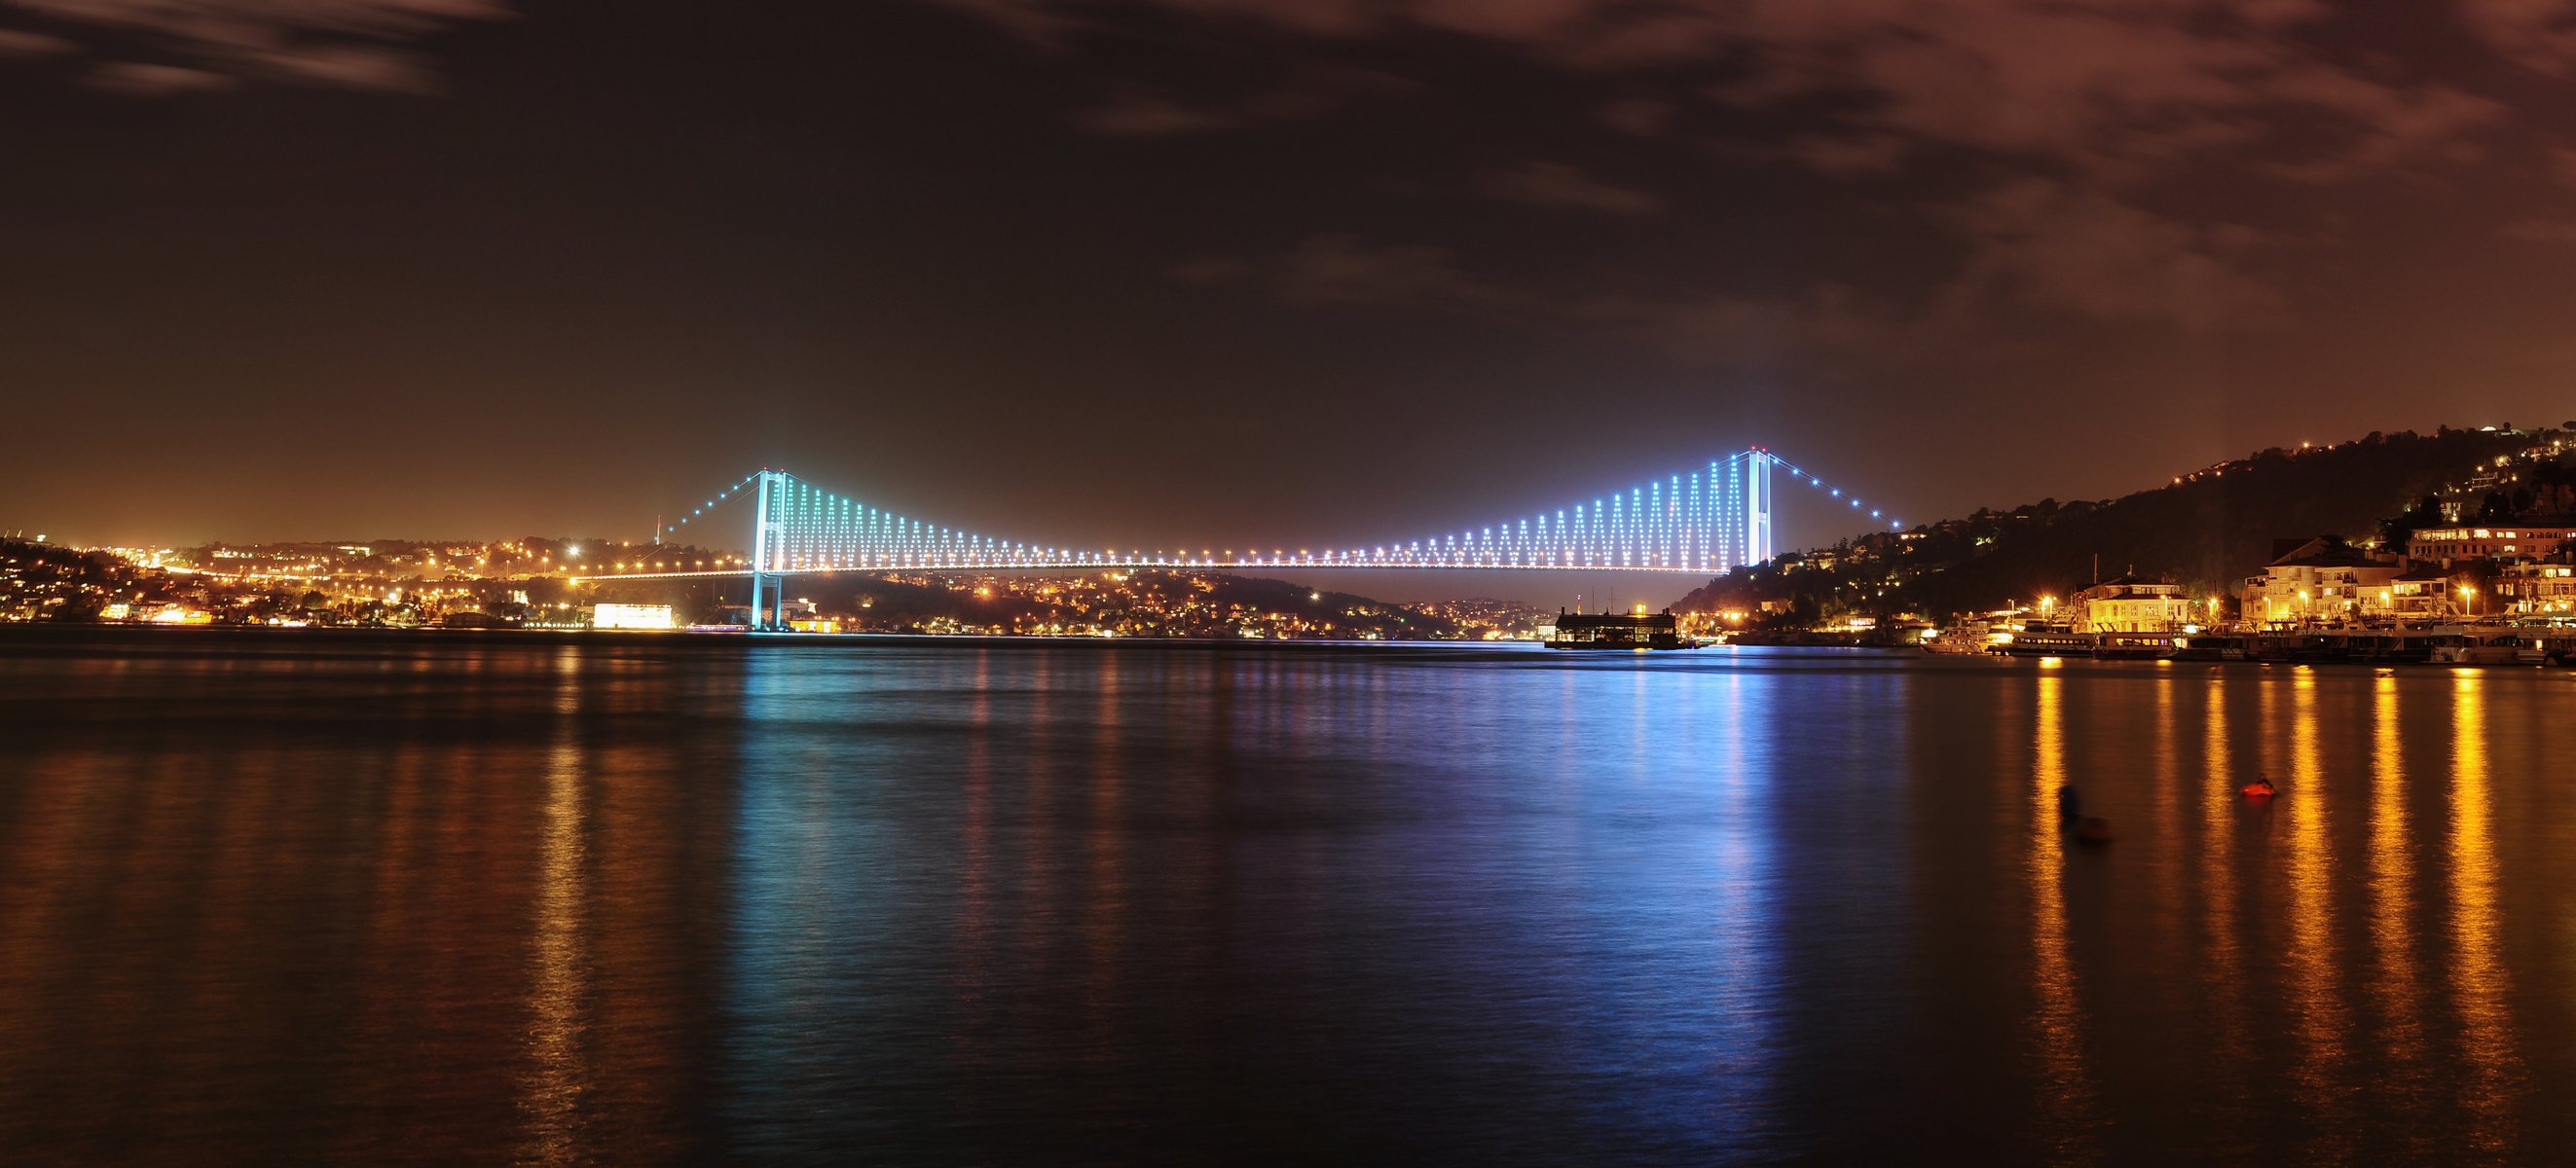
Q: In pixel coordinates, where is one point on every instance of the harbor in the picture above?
(2552, 644)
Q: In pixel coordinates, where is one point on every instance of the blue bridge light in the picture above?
(1677, 523)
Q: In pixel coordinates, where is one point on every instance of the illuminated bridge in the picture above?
(1703, 522)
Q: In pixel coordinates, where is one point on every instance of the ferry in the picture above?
(1636, 629)
(2041, 639)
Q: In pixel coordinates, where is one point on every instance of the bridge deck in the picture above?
(1092, 565)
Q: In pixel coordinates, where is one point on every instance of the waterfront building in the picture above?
(2546, 587)
(1636, 629)
(2422, 591)
(2130, 604)
(2324, 579)
(633, 616)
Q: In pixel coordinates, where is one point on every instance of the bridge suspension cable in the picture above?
(1707, 521)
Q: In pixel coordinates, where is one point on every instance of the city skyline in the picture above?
(1106, 274)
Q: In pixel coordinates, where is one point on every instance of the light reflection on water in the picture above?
(2312, 977)
(2397, 992)
(560, 1069)
(2479, 982)
(2066, 1097)
(270, 899)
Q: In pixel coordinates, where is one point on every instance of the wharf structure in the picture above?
(2549, 643)
(1635, 629)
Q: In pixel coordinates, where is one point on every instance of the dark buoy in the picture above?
(2070, 806)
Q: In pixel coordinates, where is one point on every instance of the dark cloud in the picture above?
(2538, 34)
(29, 44)
(1138, 112)
(1637, 117)
(1336, 268)
(1208, 270)
(1556, 186)
(135, 79)
(2059, 249)
(2540, 230)
(356, 44)
(943, 250)
(2078, 112)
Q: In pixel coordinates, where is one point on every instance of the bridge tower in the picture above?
(764, 552)
(1757, 507)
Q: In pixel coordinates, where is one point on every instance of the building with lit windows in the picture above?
(633, 616)
(2323, 580)
(2421, 591)
(2130, 605)
(2539, 588)
(2503, 541)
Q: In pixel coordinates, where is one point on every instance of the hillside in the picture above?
(2206, 529)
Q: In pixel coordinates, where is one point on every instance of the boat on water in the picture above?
(1635, 629)
(2211, 648)
(2484, 645)
(1972, 636)
(2039, 639)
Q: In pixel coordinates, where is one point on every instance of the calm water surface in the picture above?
(297, 898)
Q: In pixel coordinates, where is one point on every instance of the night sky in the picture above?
(1215, 271)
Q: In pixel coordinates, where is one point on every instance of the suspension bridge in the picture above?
(1703, 522)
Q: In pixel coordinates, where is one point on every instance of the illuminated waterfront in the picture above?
(290, 897)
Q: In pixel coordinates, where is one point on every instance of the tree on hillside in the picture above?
(2427, 511)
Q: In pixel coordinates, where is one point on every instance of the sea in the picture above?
(319, 896)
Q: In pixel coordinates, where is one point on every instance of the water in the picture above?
(294, 898)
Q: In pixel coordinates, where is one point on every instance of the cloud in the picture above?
(1137, 113)
(1207, 270)
(2537, 34)
(1336, 268)
(2120, 88)
(2076, 165)
(2540, 230)
(353, 44)
(1557, 186)
(138, 80)
(30, 44)
(2040, 250)
(1036, 24)
(2056, 249)
(1308, 91)
(1637, 117)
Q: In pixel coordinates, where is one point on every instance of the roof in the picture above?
(2324, 553)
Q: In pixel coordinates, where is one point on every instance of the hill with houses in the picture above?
(2207, 529)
